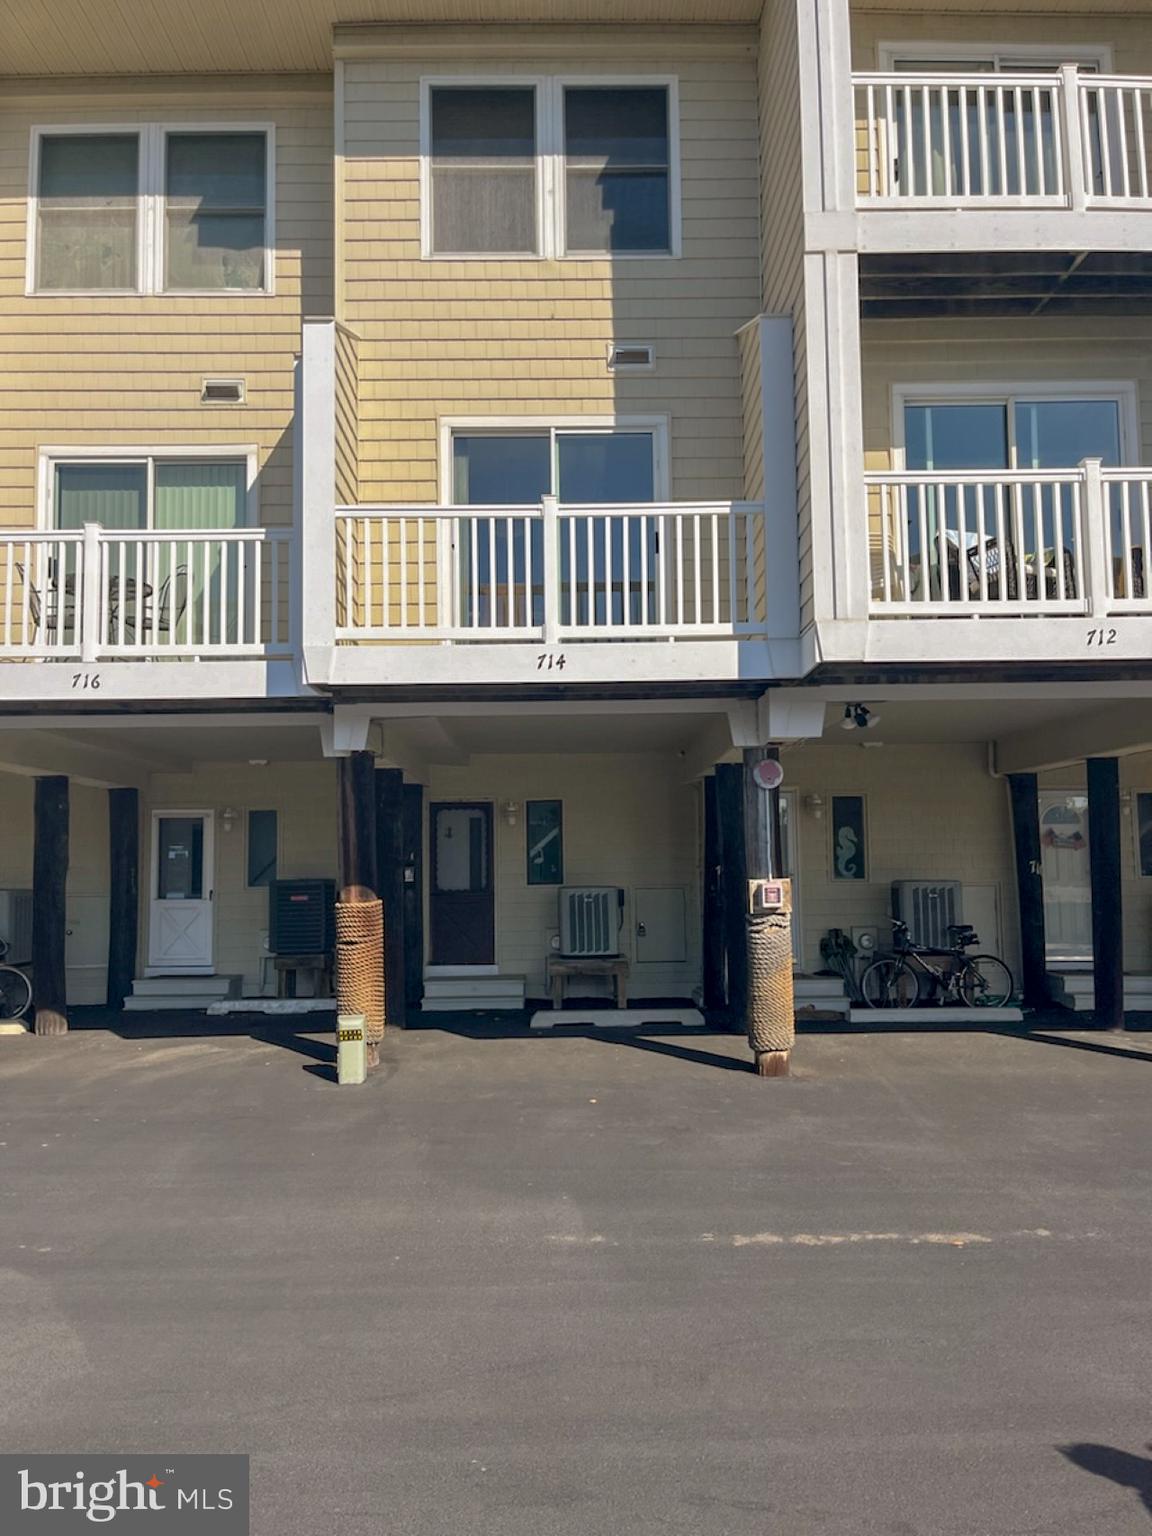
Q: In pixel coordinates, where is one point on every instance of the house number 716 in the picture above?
(83, 680)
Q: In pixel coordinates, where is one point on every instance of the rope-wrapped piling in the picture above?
(360, 964)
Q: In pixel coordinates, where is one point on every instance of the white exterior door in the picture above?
(180, 928)
(1067, 878)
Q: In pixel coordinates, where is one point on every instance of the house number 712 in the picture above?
(1101, 637)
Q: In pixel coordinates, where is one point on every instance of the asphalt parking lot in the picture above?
(579, 1285)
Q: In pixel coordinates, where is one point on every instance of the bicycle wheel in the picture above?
(986, 982)
(890, 983)
(15, 993)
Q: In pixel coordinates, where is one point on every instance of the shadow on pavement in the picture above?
(1120, 1467)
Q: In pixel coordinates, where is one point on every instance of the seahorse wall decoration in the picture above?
(847, 847)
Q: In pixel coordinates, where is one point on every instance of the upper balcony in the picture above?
(966, 551)
(84, 602)
(954, 161)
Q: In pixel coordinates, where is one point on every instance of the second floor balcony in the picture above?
(1040, 163)
(1010, 544)
(551, 573)
(98, 597)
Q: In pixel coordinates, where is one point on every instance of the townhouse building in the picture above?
(525, 415)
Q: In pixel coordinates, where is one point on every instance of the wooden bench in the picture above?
(289, 967)
(561, 970)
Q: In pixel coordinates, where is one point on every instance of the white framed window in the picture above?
(997, 58)
(522, 166)
(1018, 425)
(151, 209)
(149, 489)
(517, 461)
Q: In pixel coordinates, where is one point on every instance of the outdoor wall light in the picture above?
(228, 818)
(858, 717)
(814, 805)
(511, 811)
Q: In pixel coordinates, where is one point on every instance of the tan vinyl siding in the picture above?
(754, 487)
(782, 240)
(347, 416)
(444, 339)
(1129, 36)
(109, 370)
(1072, 349)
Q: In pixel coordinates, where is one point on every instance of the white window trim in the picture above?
(150, 220)
(505, 426)
(49, 457)
(550, 198)
(890, 54)
(993, 392)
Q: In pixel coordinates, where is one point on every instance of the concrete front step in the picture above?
(1076, 990)
(819, 994)
(170, 993)
(454, 994)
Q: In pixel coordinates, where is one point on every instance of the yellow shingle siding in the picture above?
(108, 370)
(443, 339)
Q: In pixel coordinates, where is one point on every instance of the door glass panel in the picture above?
(1067, 880)
(114, 495)
(501, 471)
(604, 584)
(956, 436)
(1057, 434)
(462, 854)
(180, 875)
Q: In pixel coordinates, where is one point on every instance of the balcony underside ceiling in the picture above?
(1004, 283)
(110, 37)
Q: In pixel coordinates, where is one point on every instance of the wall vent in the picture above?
(222, 392)
(631, 355)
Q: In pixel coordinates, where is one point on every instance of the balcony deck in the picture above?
(661, 591)
(84, 604)
(1030, 161)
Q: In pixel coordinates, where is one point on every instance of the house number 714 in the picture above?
(551, 661)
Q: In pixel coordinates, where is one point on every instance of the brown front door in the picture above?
(462, 899)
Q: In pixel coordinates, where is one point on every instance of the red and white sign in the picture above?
(768, 774)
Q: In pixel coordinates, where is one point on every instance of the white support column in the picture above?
(838, 500)
(316, 513)
(827, 108)
(1097, 574)
(552, 570)
(92, 625)
(1075, 176)
(778, 425)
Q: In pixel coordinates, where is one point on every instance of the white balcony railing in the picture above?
(1066, 139)
(550, 572)
(103, 593)
(1008, 543)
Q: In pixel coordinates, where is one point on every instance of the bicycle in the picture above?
(908, 976)
(15, 988)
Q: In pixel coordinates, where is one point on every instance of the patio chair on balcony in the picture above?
(1002, 565)
(151, 620)
(45, 610)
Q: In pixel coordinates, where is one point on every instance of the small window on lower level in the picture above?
(544, 823)
(263, 841)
